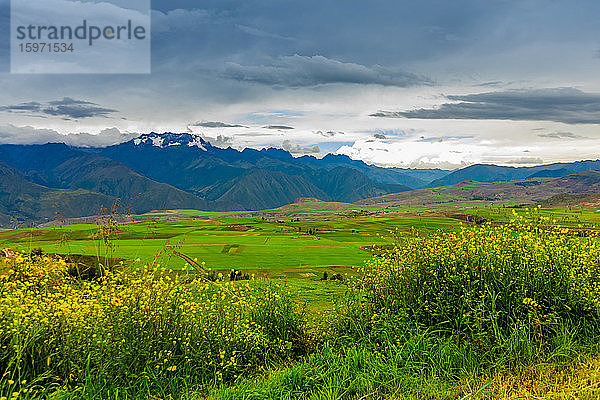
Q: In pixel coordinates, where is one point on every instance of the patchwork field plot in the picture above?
(226, 243)
(308, 237)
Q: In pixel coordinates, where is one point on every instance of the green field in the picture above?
(309, 238)
(230, 243)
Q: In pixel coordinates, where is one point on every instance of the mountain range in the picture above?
(175, 171)
(495, 173)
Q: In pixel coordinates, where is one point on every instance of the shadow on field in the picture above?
(90, 267)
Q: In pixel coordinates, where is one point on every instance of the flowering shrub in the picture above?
(483, 283)
(136, 329)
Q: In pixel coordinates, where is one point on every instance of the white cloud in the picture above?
(11, 134)
(295, 148)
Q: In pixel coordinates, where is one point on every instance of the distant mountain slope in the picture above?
(350, 185)
(581, 182)
(527, 191)
(168, 171)
(180, 160)
(190, 163)
(152, 154)
(22, 201)
(62, 167)
(551, 173)
(413, 178)
(261, 189)
(495, 173)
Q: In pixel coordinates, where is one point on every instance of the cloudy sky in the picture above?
(392, 82)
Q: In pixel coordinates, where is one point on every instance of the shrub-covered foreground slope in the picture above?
(488, 312)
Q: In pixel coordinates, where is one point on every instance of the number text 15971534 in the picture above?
(42, 47)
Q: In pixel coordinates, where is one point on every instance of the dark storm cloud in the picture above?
(329, 134)
(278, 127)
(65, 108)
(216, 125)
(298, 71)
(567, 105)
(32, 106)
(383, 32)
(76, 109)
(303, 44)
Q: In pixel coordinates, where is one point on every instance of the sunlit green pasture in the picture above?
(226, 243)
(299, 242)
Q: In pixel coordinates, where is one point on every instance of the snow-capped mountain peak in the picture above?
(169, 139)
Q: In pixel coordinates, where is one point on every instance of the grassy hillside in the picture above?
(519, 192)
(495, 173)
(574, 200)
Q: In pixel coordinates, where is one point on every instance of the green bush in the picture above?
(489, 286)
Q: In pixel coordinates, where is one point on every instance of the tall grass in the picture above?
(356, 373)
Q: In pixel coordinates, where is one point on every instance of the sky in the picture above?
(427, 84)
